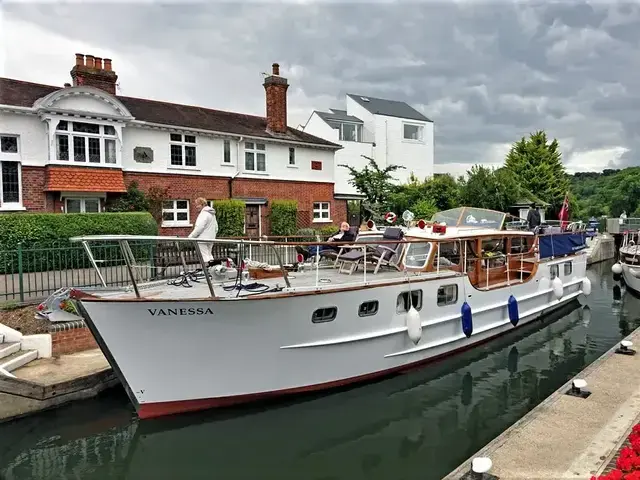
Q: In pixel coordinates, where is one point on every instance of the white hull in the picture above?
(206, 353)
(631, 281)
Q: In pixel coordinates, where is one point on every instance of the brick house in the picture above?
(74, 148)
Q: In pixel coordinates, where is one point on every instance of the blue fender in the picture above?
(467, 319)
(514, 316)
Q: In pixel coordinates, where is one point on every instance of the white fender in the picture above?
(414, 325)
(616, 268)
(586, 286)
(635, 273)
(558, 288)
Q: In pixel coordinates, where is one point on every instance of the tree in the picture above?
(488, 188)
(537, 166)
(135, 200)
(375, 184)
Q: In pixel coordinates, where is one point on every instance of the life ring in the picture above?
(390, 217)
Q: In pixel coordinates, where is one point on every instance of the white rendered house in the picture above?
(389, 131)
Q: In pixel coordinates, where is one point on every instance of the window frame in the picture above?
(338, 125)
(426, 259)
(324, 318)
(405, 299)
(292, 158)
(368, 313)
(10, 135)
(320, 210)
(83, 204)
(554, 271)
(254, 151)
(226, 152)
(564, 270)
(175, 210)
(420, 128)
(11, 158)
(445, 294)
(183, 144)
(102, 137)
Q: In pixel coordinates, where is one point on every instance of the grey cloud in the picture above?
(560, 58)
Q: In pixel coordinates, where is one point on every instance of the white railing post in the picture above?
(438, 264)
(364, 274)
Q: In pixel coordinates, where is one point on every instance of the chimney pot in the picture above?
(276, 69)
(92, 72)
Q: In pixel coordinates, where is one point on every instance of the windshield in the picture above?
(471, 217)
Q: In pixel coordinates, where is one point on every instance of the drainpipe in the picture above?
(240, 140)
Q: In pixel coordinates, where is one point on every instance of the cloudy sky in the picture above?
(486, 73)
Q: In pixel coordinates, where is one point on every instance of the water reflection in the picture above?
(414, 426)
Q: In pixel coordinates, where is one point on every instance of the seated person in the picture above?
(342, 235)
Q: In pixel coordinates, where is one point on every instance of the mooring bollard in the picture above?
(625, 348)
(577, 387)
(480, 466)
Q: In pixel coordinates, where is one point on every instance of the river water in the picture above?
(416, 426)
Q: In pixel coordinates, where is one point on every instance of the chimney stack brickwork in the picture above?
(276, 92)
(94, 72)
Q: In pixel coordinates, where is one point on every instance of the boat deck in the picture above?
(326, 278)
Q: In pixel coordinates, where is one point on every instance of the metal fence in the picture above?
(31, 274)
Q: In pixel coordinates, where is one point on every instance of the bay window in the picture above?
(88, 143)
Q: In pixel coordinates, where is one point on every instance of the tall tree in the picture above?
(488, 188)
(537, 165)
(375, 183)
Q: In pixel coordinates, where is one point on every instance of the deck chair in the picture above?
(334, 255)
(387, 254)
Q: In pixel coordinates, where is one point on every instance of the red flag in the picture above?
(563, 216)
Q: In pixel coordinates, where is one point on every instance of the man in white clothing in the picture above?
(206, 228)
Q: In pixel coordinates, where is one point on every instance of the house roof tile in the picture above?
(84, 179)
(24, 94)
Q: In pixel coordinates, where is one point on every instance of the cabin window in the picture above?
(324, 315)
(447, 295)
(405, 302)
(554, 271)
(568, 268)
(367, 309)
(417, 255)
(449, 255)
(493, 252)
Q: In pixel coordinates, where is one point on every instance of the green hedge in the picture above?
(44, 239)
(230, 216)
(284, 215)
(310, 234)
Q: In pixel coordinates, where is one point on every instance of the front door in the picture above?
(252, 221)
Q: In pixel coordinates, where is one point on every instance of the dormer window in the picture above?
(88, 143)
(348, 132)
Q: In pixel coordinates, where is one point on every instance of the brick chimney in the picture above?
(276, 92)
(94, 72)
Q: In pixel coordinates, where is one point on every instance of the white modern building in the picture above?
(389, 131)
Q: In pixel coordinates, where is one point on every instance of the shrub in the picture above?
(283, 217)
(230, 216)
(327, 230)
(423, 210)
(44, 238)
(306, 235)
